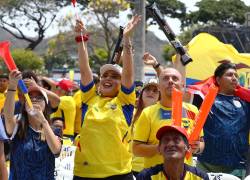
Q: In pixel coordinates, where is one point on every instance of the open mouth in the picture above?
(107, 85)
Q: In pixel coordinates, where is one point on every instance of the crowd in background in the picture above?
(122, 128)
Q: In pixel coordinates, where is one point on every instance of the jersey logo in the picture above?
(113, 106)
(165, 114)
(237, 103)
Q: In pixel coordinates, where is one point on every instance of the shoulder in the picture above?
(190, 107)
(196, 172)
(153, 107)
(147, 173)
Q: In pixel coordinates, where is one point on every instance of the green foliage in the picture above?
(168, 52)
(26, 59)
(170, 8)
(98, 58)
(57, 55)
(217, 12)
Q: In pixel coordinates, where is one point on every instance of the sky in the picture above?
(173, 22)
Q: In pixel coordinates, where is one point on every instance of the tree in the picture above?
(32, 17)
(171, 8)
(216, 12)
(58, 53)
(25, 18)
(27, 59)
(105, 12)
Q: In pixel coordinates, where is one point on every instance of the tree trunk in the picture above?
(139, 41)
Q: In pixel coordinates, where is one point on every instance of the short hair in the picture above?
(221, 69)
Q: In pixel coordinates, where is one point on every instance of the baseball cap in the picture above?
(111, 67)
(152, 81)
(5, 76)
(165, 129)
(34, 88)
(66, 85)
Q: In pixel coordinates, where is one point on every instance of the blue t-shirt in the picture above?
(226, 132)
(31, 158)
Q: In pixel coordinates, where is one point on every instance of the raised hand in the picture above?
(14, 77)
(36, 113)
(148, 59)
(80, 27)
(131, 26)
(30, 82)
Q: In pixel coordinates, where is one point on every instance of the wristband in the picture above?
(156, 65)
(82, 38)
(13, 90)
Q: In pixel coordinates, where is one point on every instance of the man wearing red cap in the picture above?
(173, 146)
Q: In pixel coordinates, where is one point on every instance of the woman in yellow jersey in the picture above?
(103, 148)
(149, 95)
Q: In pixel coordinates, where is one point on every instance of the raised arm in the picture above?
(9, 105)
(179, 66)
(54, 99)
(52, 140)
(127, 56)
(149, 59)
(85, 70)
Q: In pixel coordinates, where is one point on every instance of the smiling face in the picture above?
(172, 146)
(110, 83)
(170, 78)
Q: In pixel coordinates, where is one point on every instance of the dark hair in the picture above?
(24, 123)
(221, 69)
(45, 84)
(28, 74)
(96, 78)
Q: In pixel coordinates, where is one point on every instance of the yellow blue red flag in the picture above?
(208, 52)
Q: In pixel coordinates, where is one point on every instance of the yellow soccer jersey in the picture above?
(66, 112)
(2, 99)
(78, 119)
(103, 149)
(156, 173)
(137, 162)
(152, 119)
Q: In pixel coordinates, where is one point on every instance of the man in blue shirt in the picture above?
(227, 127)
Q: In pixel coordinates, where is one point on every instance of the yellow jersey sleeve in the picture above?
(66, 112)
(88, 92)
(142, 128)
(127, 96)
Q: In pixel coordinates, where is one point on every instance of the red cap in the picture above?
(66, 85)
(165, 129)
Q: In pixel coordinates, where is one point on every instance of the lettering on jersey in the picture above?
(113, 106)
(237, 103)
(165, 114)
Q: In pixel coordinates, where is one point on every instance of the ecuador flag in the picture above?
(208, 52)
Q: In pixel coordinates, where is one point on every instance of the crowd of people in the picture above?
(122, 130)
